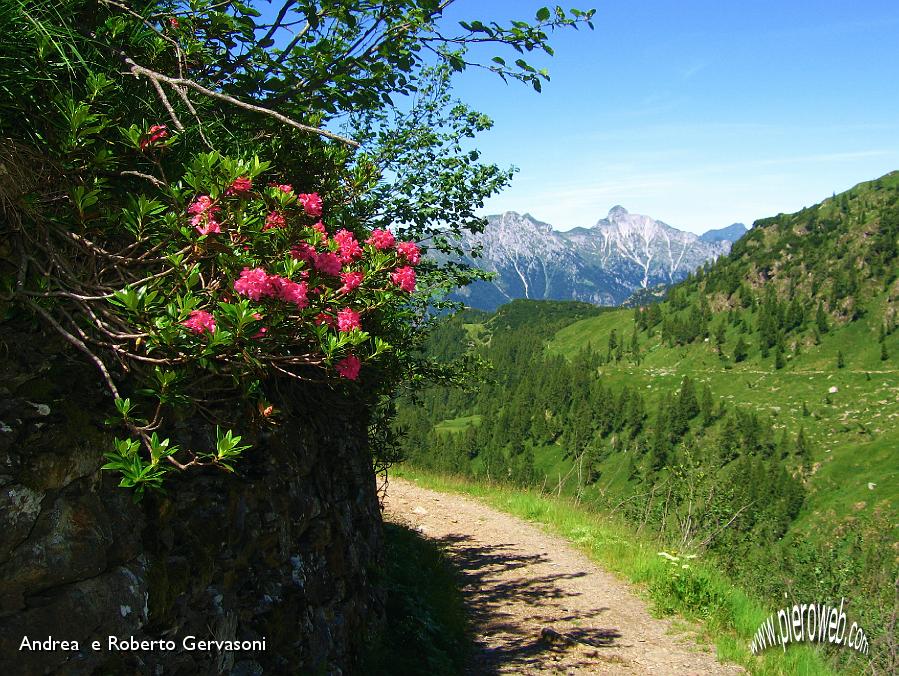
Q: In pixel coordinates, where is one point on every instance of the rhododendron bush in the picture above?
(208, 199)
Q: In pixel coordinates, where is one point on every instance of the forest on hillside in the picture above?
(749, 418)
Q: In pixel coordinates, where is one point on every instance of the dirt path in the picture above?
(522, 584)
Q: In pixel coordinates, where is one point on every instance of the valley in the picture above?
(750, 418)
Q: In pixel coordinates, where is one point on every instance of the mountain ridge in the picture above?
(603, 265)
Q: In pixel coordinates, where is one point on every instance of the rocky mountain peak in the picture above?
(603, 265)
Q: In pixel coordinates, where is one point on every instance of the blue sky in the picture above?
(698, 113)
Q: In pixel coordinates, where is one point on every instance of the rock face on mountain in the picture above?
(731, 233)
(603, 265)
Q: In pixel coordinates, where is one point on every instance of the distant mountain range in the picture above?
(603, 265)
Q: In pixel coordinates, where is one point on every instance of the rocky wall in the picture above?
(286, 552)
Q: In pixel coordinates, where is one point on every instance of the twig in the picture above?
(80, 345)
(157, 78)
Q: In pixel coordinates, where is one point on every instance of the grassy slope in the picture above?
(853, 437)
(729, 625)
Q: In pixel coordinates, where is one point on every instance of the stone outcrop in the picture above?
(286, 552)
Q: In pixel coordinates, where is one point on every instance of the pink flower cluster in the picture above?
(240, 187)
(349, 367)
(200, 321)
(204, 211)
(274, 220)
(155, 134)
(409, 251)
(404, 278)
(327, 263)
(348, 248)
(381, 239)
(351, 281)
(312, 203)
(284, 187)
(257, 283)
(347, 320)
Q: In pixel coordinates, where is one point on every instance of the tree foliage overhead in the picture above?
(164, 169)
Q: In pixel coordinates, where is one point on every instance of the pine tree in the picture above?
(779, 362)
(720, 338)
(740, 350)
(821, 319)
(841, 362)
(687, 403)
(785, 446)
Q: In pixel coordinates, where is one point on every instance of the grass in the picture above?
(854, 432)
(426, 630)
(458, 424)
(726, 615)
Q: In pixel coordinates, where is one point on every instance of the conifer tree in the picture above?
(740, 350)
(613, 345)
(779, 362)
(720, 337)
(821, 319)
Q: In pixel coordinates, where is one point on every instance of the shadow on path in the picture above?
(510, 604)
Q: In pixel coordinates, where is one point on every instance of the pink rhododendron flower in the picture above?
(285, 188)
(349, 367)
(409, 251)
(303, 251)
(156, 133)
(327, 263)
(209, 227)
(291, 292)
(261, 333)
(348, 248)
(274, 220)
(320, 227)
(204, 211)
(351, 281)
(254, 284)
(200, 321)
(241, 186)
(404, 278)
(347, 320)
(381, 239)
(311, 202)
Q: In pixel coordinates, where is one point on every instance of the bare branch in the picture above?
(157, 78)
